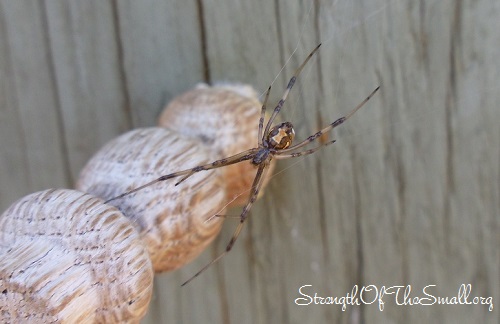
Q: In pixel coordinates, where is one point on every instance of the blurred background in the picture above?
(409, 194)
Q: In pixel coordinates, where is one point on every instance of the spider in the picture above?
(273, 143)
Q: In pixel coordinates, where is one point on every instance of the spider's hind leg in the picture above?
(260, 138)
(328, 128)
(288, 88)
(302, 153)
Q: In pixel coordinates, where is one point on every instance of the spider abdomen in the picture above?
(281, 136)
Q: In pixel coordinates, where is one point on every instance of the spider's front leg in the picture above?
(240, 157)
(257, 183)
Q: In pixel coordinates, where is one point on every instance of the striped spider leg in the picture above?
(273, 142)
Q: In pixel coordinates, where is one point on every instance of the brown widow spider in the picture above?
(276, 143)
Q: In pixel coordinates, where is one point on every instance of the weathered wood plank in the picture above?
(88, 75)
(33, 153)
(162, 53)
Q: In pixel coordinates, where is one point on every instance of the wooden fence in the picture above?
(409, 195)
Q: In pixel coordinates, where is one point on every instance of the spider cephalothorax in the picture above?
(280, 137)
(272, 143)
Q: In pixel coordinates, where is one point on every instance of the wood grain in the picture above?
(409, 194)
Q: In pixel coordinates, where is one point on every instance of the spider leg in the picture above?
(328, 128)
(257, 183)
(222, 216)
(262, 116)
(228, 216)
(287, 91)
(302, 153)
(216, 164)
(243, 156)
